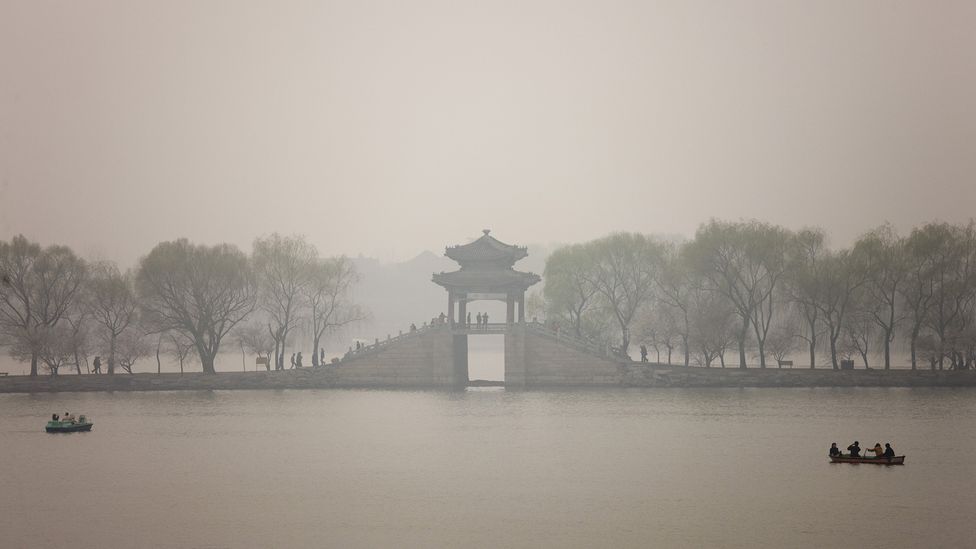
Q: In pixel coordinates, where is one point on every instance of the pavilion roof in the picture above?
(486, 281)
(486, 249)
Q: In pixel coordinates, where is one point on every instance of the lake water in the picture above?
(488, 468)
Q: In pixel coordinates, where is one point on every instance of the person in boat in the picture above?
(68, 417)
(54, 417)
(855, 449)
(834, 450)
(878, 450)
(889, 452)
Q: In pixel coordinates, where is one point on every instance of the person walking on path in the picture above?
(293, 360)
(97, 365)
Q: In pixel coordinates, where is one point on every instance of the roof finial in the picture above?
(486, 231)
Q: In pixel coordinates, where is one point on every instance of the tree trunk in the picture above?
(887, 349)
(742, 342)
(914, 342)
(762, 352)
(684, 344)
(315, 350)
(33, 370)
(159, 364)
(111, 354)
(208, 364)
(77, 363)
(833, 351)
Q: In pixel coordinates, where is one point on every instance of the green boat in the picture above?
(70, 426)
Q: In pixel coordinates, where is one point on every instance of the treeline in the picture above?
(183, 299)
(764, 291)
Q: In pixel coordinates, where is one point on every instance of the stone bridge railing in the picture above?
(381, 344)
(601, 350)
(566, 338)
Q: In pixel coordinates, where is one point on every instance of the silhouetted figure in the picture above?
(834, 450)
(54, 417)
(643, 351)
(298, 360)
(322, 356)
(855, 449)
(468, 321)
(484, 318)
(889, 451)
(413, 327)
(441, 318)
(97, 365)
(293, 360)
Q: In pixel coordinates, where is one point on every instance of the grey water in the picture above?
(488, 468)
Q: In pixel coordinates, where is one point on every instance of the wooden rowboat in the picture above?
(897, 460)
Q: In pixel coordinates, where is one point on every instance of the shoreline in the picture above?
(630, 375)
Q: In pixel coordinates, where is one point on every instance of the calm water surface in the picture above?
(488, 468)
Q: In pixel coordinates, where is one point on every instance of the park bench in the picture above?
(3, 373)
(785, 363)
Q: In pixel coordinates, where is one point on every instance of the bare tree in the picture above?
(745, 262)
(884, 256)
(200, 292)
(626, 265)
(256, 339)
(842, 275)
(674, 288)
(329, 296)
(859, 333)
(130, 347)
(37, 288)
(112, 304)
(179, 347)
(803, 286)
(282, 266)
(570, 289)
(53, 346)
(781, 342)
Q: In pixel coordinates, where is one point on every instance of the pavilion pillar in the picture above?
(521, 307)
(463, 310)
(510, 309)
(450, 307)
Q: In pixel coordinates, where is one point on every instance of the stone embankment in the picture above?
(657, 375)
(628, 375)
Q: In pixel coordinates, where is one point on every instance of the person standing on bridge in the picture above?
(643, 349)
(485, 318)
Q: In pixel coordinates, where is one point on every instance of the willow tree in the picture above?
(329, 298)
(884, 255)
(626, 265)
(282, 268)
(745, 262)
(111, 302)
(198, 291)
(38, 288)
(570, 290)
(803, 285)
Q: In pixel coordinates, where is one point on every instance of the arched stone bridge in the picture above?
(436, 356)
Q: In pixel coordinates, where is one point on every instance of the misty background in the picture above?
(387, 128)
(385, 131)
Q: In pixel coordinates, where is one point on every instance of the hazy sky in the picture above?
(387, 128)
